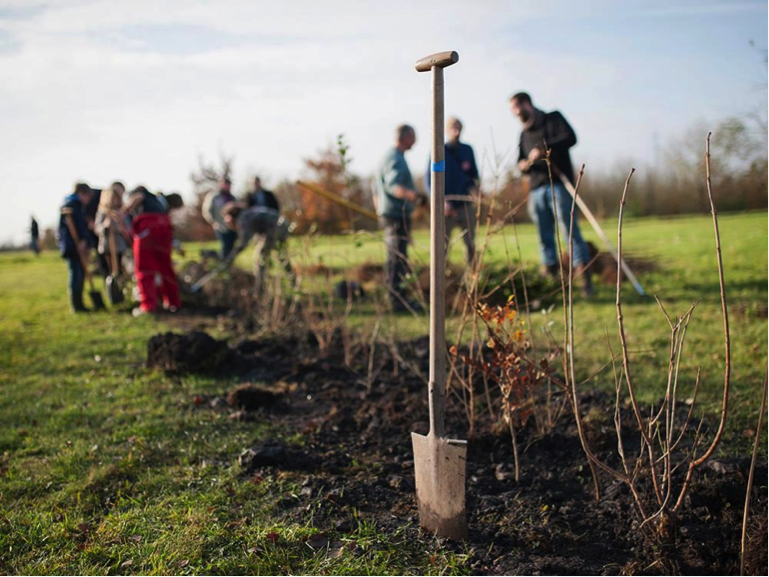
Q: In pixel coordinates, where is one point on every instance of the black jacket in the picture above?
(549, 129)
(268, 200)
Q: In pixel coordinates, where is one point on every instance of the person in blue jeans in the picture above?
(541, 131)
(71, 250)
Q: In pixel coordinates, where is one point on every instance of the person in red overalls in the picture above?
(152, 246)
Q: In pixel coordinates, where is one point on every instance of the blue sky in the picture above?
(137, 90)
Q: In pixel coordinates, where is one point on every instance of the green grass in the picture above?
(106, 468)
(684, 251)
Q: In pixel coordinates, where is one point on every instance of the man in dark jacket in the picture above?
(541, 131)
(261, 197)
(461, 181)
(34, 241)
(71, 249)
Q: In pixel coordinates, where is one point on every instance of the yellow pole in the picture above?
(333, 197)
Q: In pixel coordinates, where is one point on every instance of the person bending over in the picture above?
(270, 231)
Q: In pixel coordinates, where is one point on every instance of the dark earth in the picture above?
(357, 456)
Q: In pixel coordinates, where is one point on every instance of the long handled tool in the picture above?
(599, 231)
(333, 197)
(114, 291)
(215, 272)
(95, 296)
(439, 462)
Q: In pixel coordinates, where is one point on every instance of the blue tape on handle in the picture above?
(439, 166)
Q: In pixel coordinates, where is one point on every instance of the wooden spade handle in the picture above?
(439, 59)
(437, 385)
(112, 253)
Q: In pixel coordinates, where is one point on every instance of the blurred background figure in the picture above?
(542, 131)
(112, 227)
(396, 199)
(270, 231)
(34, 236)
(75, 250)
(212, 212)
(152, 247)
(261, 197)
(461, 181)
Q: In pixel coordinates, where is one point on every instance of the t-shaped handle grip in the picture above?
(439, 59)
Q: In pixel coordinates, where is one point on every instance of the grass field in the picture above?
(104, 468)
(683, 250)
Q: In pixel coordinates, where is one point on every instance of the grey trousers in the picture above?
(265, 243)
(397, 233)
(464, 218)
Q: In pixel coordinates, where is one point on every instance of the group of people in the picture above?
(105, 220)
(237, 222)
(543, 134)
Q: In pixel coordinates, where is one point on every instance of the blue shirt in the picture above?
(461, 171)
(393, 171)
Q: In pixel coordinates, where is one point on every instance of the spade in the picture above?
(112, 282)
(439, 462)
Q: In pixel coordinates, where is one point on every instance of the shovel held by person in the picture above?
(112, 282)
(439, 462)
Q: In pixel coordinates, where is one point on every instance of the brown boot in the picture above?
(584, 280)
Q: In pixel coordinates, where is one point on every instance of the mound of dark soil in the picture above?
(251, 398)
(368, 272)
(186, 353)
(357, 459)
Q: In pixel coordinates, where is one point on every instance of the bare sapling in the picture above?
(472, 296)
(660, 474)
(322, 314)
(526, 387)
(749, 489)
(567, 307)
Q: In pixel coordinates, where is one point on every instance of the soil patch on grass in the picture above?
(189, 352)
(351, 457)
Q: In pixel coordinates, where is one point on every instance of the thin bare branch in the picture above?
(749, 489)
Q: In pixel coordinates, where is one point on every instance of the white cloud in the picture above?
(136, 90)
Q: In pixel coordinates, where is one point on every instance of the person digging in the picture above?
(152, 246)
(73, 242)
(541, 131)
(269, 229)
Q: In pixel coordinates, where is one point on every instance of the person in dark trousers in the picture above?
(542, 131)
(270, 231)
(152, 247)
(72, 250)
(212, 212)
(261, 197)
(396, 199)
(462, 181)
(34, 241)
